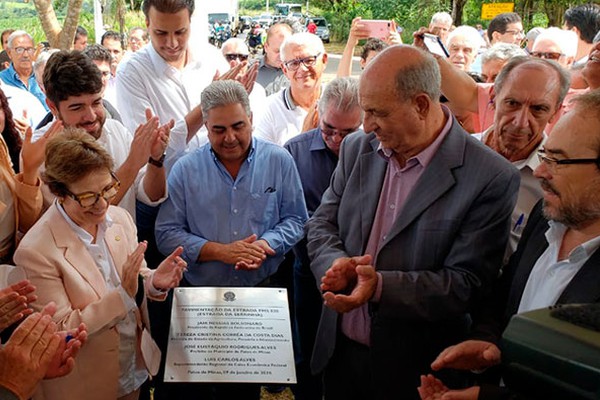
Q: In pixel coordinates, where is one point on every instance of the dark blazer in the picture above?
(442, 253)
(505, 300)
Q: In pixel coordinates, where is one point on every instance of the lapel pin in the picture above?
(117, 238)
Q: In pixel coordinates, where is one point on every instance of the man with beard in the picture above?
(529, 92)
(74, 94)
(557, 259)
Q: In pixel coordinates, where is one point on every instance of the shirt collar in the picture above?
(250, 154)
(82, 233)
(317, 143)
(162, 67)
(287, 99)
(426, 155)
(555, 234)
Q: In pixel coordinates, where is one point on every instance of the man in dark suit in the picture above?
(556, 261)
(408, 236)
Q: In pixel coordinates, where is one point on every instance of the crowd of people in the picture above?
(409, 212)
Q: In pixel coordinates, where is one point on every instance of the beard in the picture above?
(577, 212)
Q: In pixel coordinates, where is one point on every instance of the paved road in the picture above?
(332, 66)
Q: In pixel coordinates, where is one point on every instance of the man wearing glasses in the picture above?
(21, 50)
(506, 28)
(304, 60)
(557, 45)
(236, 52)
(557, 258)
(316, 155)
(529, 94)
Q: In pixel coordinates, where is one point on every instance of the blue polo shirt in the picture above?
(10, 77)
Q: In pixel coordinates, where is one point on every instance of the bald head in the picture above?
(409, 69)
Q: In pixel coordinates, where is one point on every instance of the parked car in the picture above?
(322, 28)
(265, 20)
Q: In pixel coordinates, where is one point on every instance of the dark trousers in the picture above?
(348, 374)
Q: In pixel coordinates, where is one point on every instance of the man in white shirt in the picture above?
(26, 109)
(168, 75)
(557, 259)
(303, 61)
(74, 93)
(529, 92)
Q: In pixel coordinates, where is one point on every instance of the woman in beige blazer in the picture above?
(83, 255)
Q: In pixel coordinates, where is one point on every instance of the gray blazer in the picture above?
(441, 255)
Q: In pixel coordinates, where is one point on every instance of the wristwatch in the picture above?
(157, 163)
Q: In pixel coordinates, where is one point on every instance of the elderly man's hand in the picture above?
(264, 245)
(342, 274)
(25, 357)
(362, 292)
(468, 355)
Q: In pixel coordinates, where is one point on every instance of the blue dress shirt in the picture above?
(10, 77)
(315, 163)
(206, 204)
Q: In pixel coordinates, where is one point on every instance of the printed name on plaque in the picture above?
(230, 335)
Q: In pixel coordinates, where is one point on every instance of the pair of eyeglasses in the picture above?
(553, 164)
(547, 55)
(515, 32)
(21, 50)
(330, 132)
(89, 199)
(231, 57)
(293, 65)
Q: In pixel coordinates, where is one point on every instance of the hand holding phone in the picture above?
(379, 29)
(434, 45)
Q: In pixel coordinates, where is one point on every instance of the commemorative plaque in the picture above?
(230, 335)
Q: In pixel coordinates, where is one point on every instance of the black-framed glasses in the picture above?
(294, 64)
(89, 199)
(241, 57)
(547, 55)
(553, 163)
(21, 50)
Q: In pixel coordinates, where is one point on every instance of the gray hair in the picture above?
(442, 17)
(15, 35)
(223, 93)
(417, 78)
(565, 40)
(469, 33)
(40, 64)
(340, 93)
(303, 39)
(533, 34)
(502, 52)
(238, 44)
(563, 75)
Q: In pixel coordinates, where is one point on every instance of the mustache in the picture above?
(547, 186)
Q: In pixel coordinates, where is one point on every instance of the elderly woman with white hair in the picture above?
(463, 45)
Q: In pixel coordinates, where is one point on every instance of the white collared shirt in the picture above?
(131, 375)
(22, 104)
(148, 81)
(549, 276)
(281, 119)
(116, 140)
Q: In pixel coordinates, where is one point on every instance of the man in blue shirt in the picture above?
(21, 51)
(316, 155)
(235, 204)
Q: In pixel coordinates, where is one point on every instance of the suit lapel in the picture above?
(372, 173)
(115, 237)
(75, 251)
(585, 285)
(435, 181)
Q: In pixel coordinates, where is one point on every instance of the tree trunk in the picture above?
(48, 20)
(457, 11)
(59, 38)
